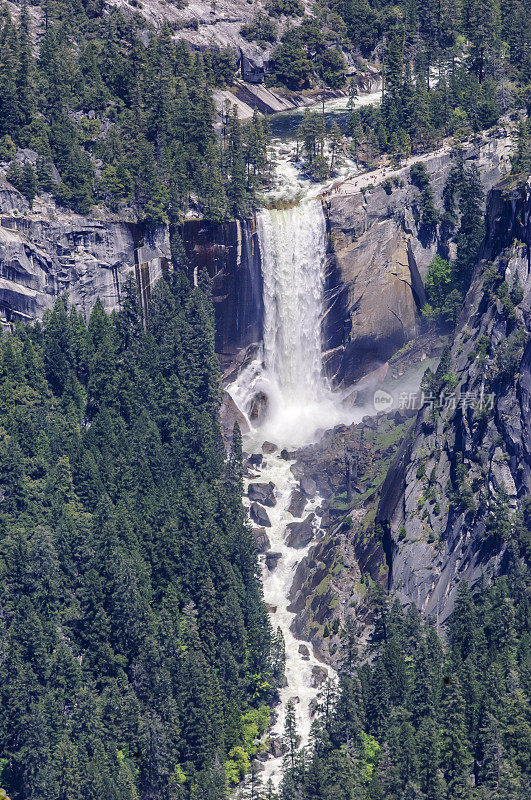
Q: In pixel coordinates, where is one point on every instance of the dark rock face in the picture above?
(230, 253)
(435, 538)
(319, 675)
(259, 515)
(300, 534)
(378, 256)
(263, 493)
(305, 653)
(43, 255)
(297, 503)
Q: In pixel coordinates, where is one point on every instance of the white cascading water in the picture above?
(293, 248)
(289, 368)
(289, 373)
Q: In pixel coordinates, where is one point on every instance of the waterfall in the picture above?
(293, 248)
(288, 370)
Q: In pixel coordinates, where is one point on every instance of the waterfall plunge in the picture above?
(289, 370)
(289, 373)
(293, 249)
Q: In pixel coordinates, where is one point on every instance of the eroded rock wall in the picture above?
(230, 254)
(44, 254)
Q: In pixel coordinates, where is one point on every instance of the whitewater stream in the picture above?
(288, 370)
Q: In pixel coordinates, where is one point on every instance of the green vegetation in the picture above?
(126, 119)
(136, 651)
(307, 53)
(423, 719)
(420, 178)
(444, 301)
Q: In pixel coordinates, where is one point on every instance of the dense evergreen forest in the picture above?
(124, 123)
(427, 719)
(135, 655)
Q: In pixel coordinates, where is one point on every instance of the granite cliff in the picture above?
(464, 478)
(379, 255)
(419, 501)
(46, 252)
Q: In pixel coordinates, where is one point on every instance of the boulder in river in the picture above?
(272, 560)
(269, 447)
(305, 653)
(300, 534)
(275, 746)
(308, 486)
(259, 515)
(263, 493)
(313, 705)
(255, 459)
(297, 503)
(319, 675)
(261, 540)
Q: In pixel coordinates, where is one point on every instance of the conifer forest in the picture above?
(265, 399)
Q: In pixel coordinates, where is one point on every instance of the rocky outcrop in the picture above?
(45, 253)
(297, 503)
(261, 540)
(300, 534)
(259, 515)
(379, 254)
(229, 414)
(331, 583)
(451, 500)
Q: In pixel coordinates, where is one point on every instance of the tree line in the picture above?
(422, 717)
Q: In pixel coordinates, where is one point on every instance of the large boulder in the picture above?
(305, 653)
(259, 515)
(269, 447)
(275, 746)
(272, 560)
(297, 503)
(319, 675)
(261, 540)
(308, 486)
(300, 534)
(255, 460)
(263, 493)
